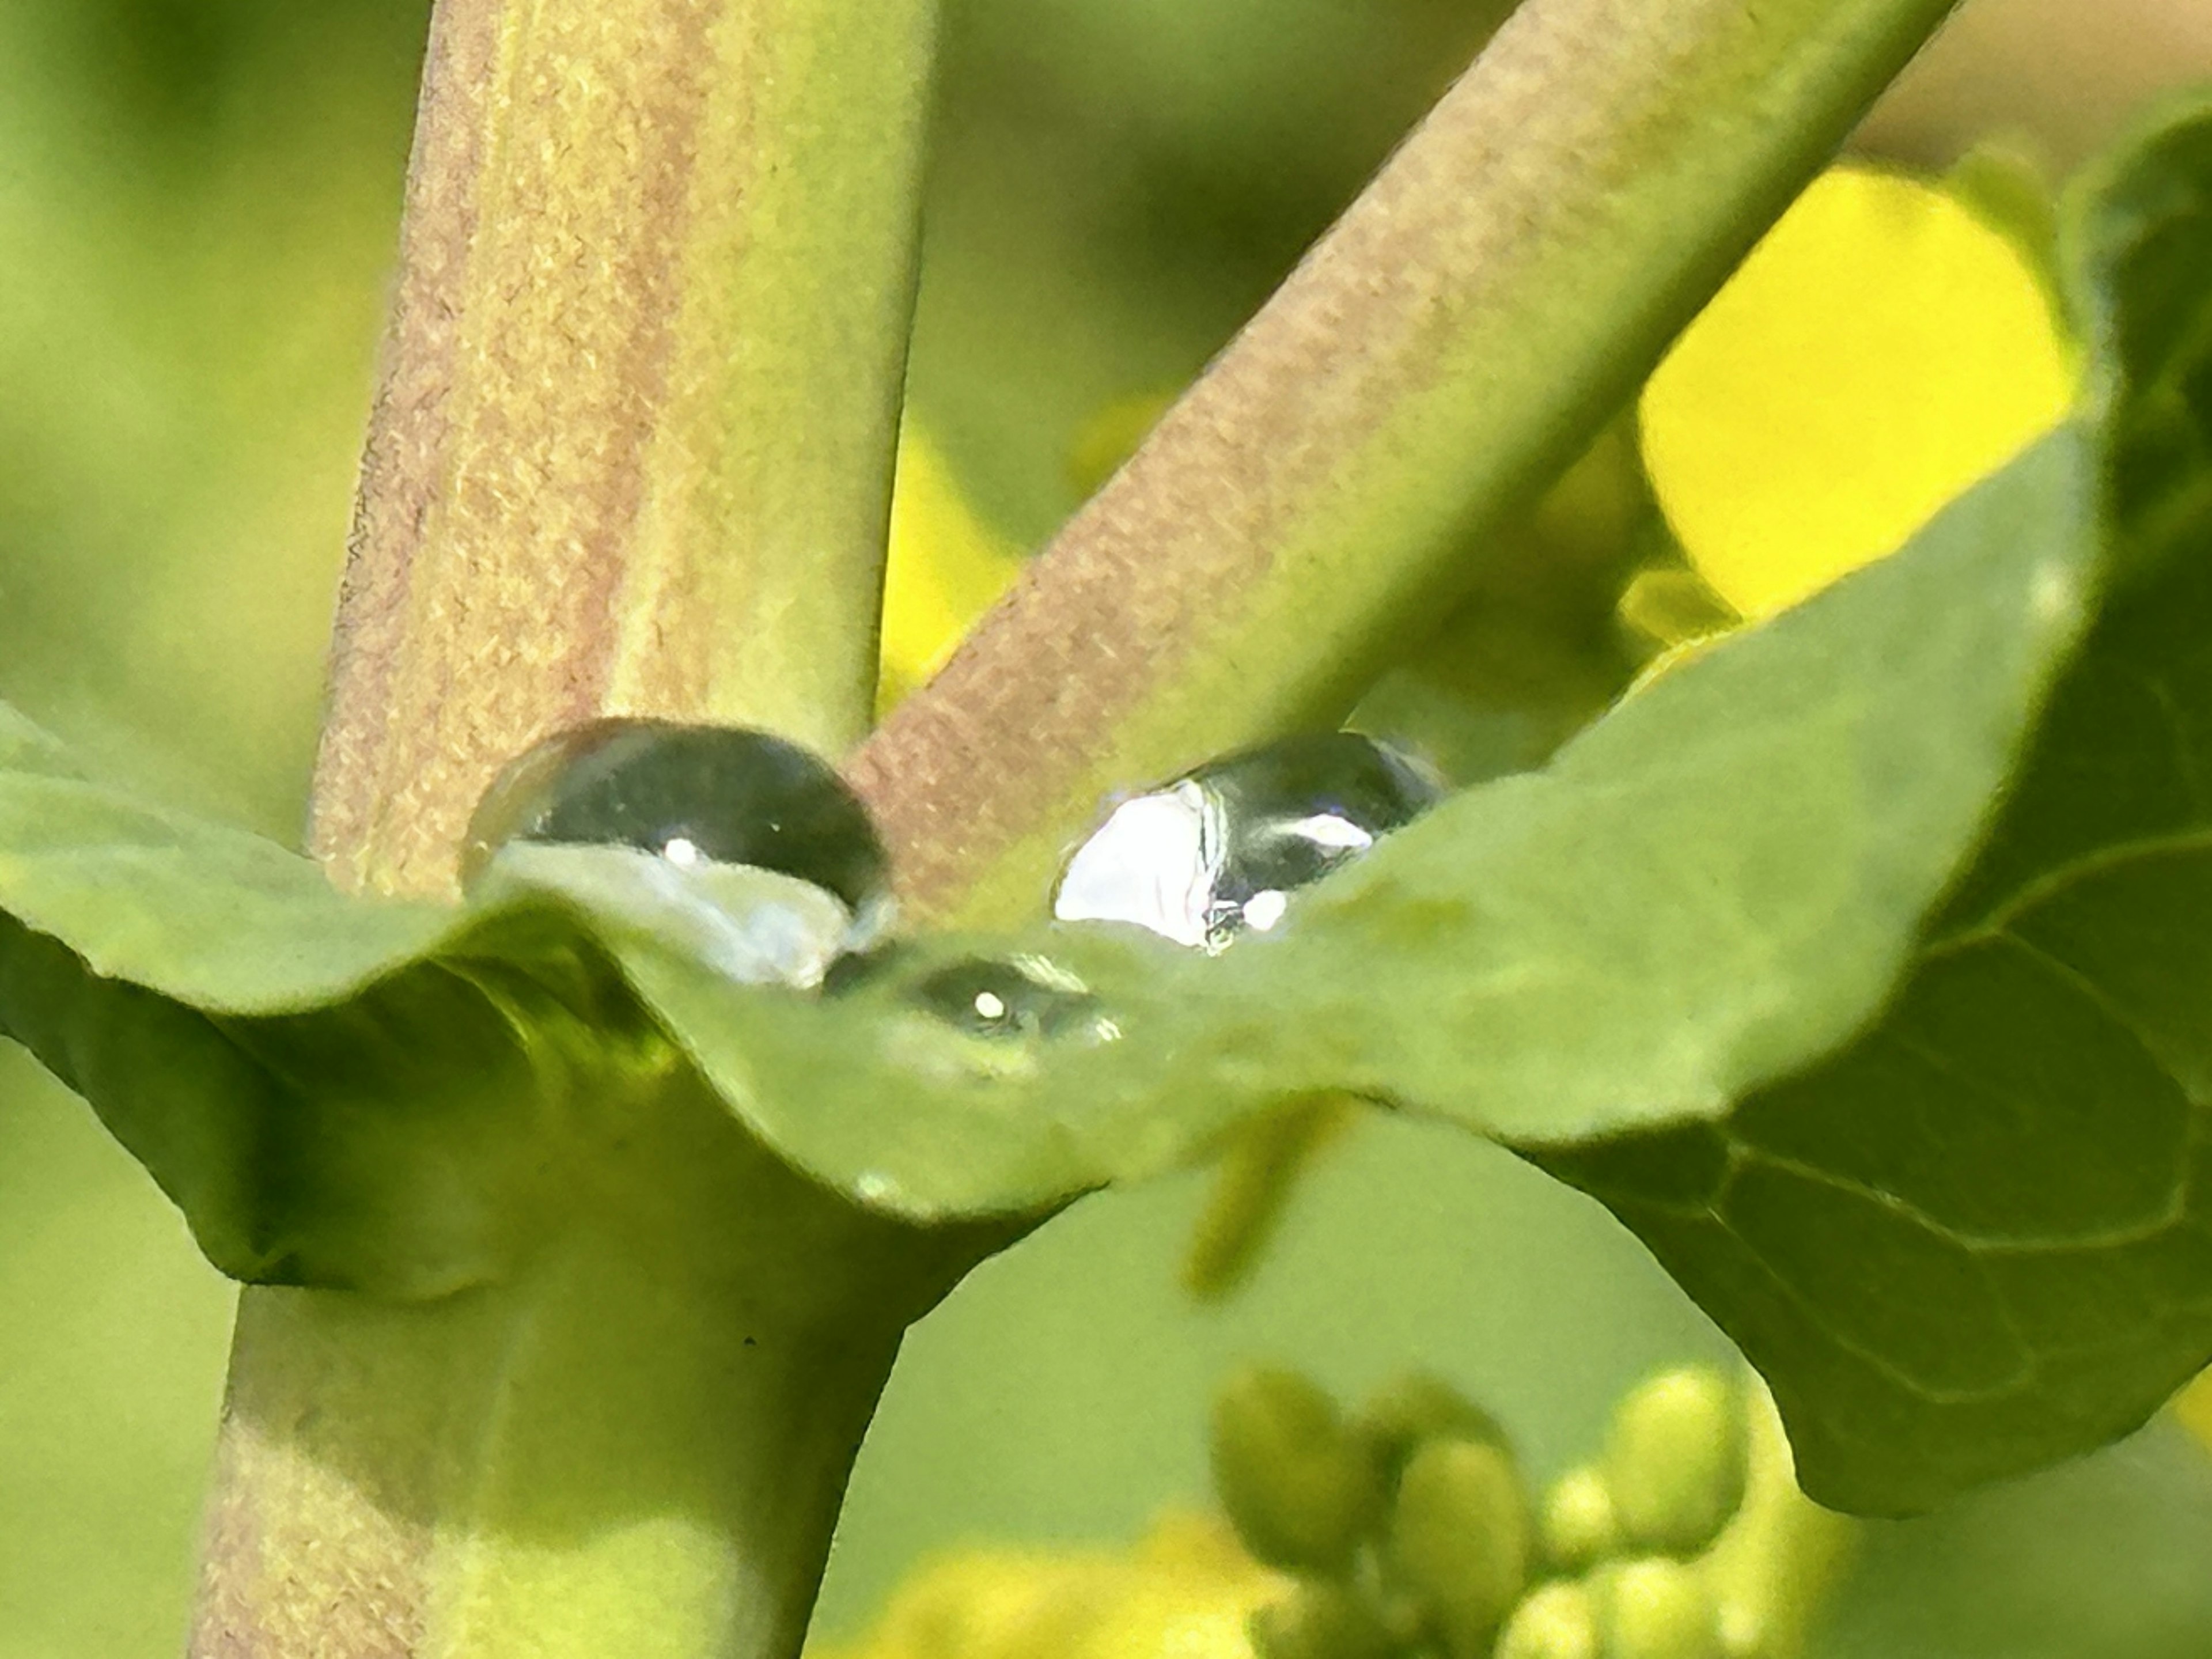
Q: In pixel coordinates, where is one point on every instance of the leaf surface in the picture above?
(1717, 880)
(1978, 1238)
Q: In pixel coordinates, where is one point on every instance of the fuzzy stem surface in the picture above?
(631, 453)
(636, 1444)
(632, 448)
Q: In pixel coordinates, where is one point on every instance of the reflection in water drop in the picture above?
(743, 849)
(693, 794)
(1022, 996)
(1219, 852)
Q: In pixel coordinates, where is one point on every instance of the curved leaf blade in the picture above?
(1716, 881)
(1979, 1238)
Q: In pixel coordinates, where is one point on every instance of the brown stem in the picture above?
(632, 452)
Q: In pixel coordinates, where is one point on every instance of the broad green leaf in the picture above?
(1716, 881)
(1979, 1237)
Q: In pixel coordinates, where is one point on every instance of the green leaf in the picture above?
(1694, 922)
(1717, 880)
(1979, 1237)
(334, 1093)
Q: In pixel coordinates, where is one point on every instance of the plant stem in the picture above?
(631, 453)
(632, 450)
(636, 1446)
(1500, 289)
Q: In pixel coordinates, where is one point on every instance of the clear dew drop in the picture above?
(1021, 997)
(1218, 853)
(745, 848)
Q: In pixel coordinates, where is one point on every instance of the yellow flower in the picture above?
(1185, 1591)
(1880, 350)
(946, 569)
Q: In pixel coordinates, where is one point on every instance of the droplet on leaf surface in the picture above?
(1219, 851)
(1023, 996)
(692, 793)
(738, 845)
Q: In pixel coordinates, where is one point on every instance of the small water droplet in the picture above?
(1022, 996)
(1218, 852)
(744, 847)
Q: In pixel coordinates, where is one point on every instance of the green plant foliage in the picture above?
(1637, 934)
(1974, 1239)
(1958, 1238)
(1714, 883)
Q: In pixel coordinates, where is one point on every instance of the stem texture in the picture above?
(636, 1446)
(632, 450)
(1494, 295)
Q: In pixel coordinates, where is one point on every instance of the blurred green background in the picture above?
(197, 212)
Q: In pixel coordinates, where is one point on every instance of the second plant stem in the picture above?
(1500, 289)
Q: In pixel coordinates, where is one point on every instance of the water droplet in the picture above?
(691, 794)
(1219, 852)
(743, 849)
(1022, 996)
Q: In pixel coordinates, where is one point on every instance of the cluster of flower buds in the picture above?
(1410, 1532)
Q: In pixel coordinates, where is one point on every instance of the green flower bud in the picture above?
(1414, 1407)
(1460, 1541)
(1579, 1527)
(1554, 1621)
(1299, 1487)
(1321, 1621)
(1658, 1608)
(1674, 1460)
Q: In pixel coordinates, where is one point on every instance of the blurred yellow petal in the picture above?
(946, 569)
(1880, 350)
(1186, 1591)
(1190, 1594)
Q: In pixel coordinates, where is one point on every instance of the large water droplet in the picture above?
(1021, 996)
(740, 846)
(692, 793)
(1218, 852)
